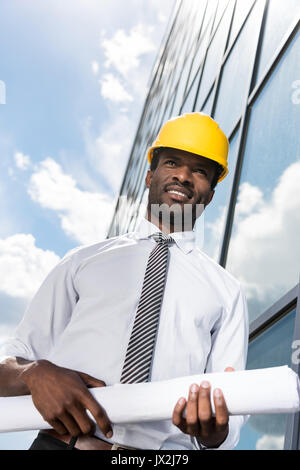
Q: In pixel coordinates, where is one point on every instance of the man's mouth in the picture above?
(179, 195)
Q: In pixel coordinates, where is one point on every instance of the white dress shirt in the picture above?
(82, 316)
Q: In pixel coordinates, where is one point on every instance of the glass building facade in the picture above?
(239, 61)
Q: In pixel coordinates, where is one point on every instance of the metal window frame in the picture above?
(292, 430)
(244, 120)
(267, 319)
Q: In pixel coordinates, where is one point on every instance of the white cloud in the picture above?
(250, 199)
(84, 216)
(23, 265)
(9, 220)
(11, 173)
(123, 50)
(267, 237)
(95, 67)
(268, 442)
(112, 89)
(161, 17)
(108, 152)
(22, 161)
(213, 232)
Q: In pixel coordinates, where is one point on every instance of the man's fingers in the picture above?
(91, 381)
(86, 425)
(192, 410)
(222, 415)
(177, 418)
(58, 426)
(70, 424)
(229, 369)
(99, 414)
(204, 409)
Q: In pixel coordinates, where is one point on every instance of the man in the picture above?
(80, 326)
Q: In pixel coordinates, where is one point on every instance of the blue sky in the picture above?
(76, 76)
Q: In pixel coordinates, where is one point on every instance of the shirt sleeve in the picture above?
(47, 315)
(229, 348)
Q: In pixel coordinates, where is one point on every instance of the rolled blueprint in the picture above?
(259, 391)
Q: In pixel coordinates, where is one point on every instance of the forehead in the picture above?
(182, 155)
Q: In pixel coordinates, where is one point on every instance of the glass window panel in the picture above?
(143, 206)
(160, 109)
(264, 250)
(235, 77)
(121, 214)
(220, 10)
(189, 26)
(141, 174)
(281, 15)
(200, 52)
(271, 348)
(198, 11)
(214, 56)
(136, 165)
(181, 53)
(186, 72)
(215, 213)
(241, 10)
(210, 10)
(168, 112)
(189, 102)
(208, 104)
(180, 91)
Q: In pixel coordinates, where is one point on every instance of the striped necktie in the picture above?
(139, 353)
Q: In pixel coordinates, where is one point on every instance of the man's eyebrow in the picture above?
(172, 156)
(200, 164)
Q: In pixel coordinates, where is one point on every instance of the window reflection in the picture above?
(208, 103)
(266, 230)
(215, 213)
(240, 13)
(235, 77)
(271, 348)
(143, 207)
(281, 15)
(214, 56)
(220, 11)
(190, 99)
(199, 53)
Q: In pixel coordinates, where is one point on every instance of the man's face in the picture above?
(180, 178)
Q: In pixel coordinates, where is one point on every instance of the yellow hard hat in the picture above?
(196, 133)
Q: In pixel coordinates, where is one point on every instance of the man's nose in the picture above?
(183, 173)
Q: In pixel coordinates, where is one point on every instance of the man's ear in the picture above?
(148, 178)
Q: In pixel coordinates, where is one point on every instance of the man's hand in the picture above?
(62, 397)
(209, 430)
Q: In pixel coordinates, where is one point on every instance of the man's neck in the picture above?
(167, 228)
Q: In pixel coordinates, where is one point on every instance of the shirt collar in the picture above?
(184, 240)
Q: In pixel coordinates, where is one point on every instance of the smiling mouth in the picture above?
(178, 195)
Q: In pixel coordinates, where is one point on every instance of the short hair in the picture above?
(155, 159)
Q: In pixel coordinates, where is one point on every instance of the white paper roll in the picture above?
(259, 391)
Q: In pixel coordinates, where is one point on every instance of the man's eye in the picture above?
(201, 171)
(170, 161)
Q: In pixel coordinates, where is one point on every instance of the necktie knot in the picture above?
(160, 237)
